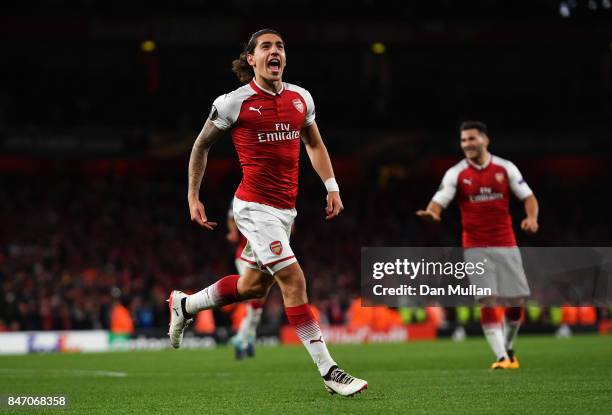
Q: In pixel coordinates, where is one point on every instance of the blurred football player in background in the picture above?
(482, 184)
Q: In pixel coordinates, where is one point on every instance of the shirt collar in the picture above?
(481, 166)
(267, 91)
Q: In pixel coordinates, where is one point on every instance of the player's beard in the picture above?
(475, 155)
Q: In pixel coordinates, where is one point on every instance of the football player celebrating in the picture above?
(482, 184)
(267, 119)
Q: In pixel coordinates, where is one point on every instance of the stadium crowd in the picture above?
(71, 248)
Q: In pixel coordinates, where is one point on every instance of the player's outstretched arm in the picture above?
(532, 209)
(319, 157)
(432, 213)
(197, 166)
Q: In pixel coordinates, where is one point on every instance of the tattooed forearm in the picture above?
(197, 165)
(199, 156)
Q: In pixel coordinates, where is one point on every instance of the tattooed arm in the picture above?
(197, 165)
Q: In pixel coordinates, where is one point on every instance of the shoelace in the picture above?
(340, 376)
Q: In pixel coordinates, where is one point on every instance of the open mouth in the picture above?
(274, 64)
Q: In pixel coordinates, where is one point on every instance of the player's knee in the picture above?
(291, 282)
(516, 302)
(260, 290)
(252, 289)
(488, 301)
(297, 288)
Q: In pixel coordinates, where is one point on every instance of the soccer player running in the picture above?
(266, 118)
(482, 183)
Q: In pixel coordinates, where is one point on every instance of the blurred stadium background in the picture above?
(98, 114)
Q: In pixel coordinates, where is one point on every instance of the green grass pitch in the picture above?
(572, 376)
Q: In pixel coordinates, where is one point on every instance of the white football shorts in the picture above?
(267, 230)
(504, 273)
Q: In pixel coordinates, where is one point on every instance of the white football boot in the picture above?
(340, 382)
(178, 322)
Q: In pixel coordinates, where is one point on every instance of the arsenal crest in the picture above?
(276, 247)
(299, 105)
(499, 177)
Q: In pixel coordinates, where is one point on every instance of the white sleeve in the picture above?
(224, 111)
(310, 109)
(519, 186)
(448, 188)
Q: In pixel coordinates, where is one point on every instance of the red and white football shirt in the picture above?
(483, 195)
(265, 129)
